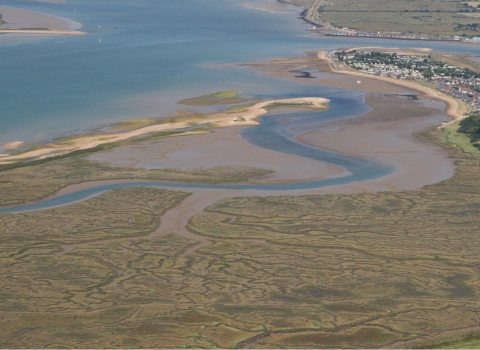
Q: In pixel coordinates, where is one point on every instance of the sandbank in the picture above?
(221, 119)
(41, 31)
(35, 22)
(379, 135)
(12, 145)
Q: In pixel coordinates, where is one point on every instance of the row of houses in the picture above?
(420, 68)
(357, 33)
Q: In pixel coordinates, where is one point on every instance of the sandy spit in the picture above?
(16, 18)
(47, 32)
(12, 145)
(247, 117)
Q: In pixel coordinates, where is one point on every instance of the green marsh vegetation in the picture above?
(462, 135)
(333, 271)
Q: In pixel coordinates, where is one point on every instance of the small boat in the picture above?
(100, 41)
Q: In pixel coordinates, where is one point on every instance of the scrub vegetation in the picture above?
(471, 127)
(333, 271)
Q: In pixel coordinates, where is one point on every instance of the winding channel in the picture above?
(276, 133)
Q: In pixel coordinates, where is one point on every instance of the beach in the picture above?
(246, 116)
(454, 109)
(31, 22)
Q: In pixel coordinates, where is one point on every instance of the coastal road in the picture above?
(313, 10)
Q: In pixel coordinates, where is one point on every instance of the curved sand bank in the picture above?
(41, 31)
(31, 22)
(454, 109)
(221, 119)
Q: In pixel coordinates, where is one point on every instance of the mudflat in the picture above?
(387, 133)
(389, 137)
(223, 147)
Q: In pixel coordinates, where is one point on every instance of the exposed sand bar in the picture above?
(40, 31)
(17, 19)
(13, 145)
(222, 119)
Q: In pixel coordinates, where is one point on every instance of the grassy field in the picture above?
(437, 17)
(332, 271)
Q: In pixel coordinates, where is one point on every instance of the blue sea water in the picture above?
(152, 54)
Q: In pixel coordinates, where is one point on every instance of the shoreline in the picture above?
(42, 31)
(389, 140)
(220, 119)
(227, 119)
(21, 21)
(421, 154)
(453, 109)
